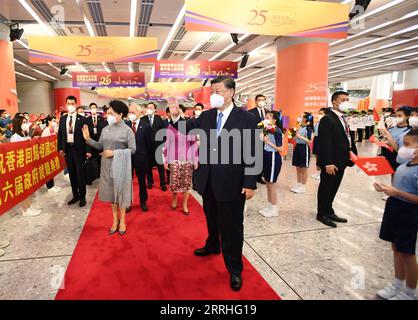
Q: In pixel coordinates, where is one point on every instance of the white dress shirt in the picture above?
(226, 114)
(344, 124)
(262, 113)
(70, 137)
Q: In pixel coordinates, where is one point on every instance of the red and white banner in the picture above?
(108, 79)
(25, 167)
(372, 166)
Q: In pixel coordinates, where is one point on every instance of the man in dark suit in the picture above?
(156, 123)
(72, 145)
(260, 114)
(141, 158)
(335, 144)
(226, 185)
(97, 123)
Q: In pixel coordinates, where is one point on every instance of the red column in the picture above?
(61, 94)
(204, 97)
(8, 95)
(301, 76)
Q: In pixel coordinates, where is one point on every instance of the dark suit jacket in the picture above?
(101, 123)
(143, 140)
(256, 113)
(80, 144)
(334, 147)
(157, 124)
(227, 180)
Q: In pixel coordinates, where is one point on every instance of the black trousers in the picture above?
(360, 134)
(141, 172)
(225, 229)
(160, 168)
(75, 163)
(328, 188)
(368, 129)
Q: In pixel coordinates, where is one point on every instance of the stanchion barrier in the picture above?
(25, 167)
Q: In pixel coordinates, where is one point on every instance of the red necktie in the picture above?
(134, 126)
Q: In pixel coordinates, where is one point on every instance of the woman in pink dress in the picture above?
(180, 157)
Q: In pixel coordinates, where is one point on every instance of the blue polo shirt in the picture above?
(399, 133)
(406, 179)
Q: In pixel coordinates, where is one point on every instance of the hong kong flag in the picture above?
(373, 166)
(379, 143)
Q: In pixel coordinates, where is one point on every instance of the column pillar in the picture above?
(301, 76)
(204, 97)
(63, 89)
(8, 94)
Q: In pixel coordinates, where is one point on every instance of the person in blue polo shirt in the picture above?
(400, 222)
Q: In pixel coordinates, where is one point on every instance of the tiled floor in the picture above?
(298, 256)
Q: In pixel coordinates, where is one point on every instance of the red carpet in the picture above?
(154, 259)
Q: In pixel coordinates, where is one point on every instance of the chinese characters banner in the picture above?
(92, 49)
(295, 18)
(195, 69)
(104, 79)
(25, 167)
(121, 93)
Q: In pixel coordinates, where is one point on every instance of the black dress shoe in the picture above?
(236, 282)
(144, 207)
(336, 218)
(72, 201)
(129, 209)
(82, 203)
(327, 221)
(203, 252)
(164, 188)
(261, 181)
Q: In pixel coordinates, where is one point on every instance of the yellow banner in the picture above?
(92, 49)
(297, 18)
(121, 93)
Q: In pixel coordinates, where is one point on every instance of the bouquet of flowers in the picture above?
(292, 132)
(267, 127)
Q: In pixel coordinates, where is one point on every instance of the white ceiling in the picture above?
(158, 16)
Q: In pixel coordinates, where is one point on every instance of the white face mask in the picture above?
(111, 119)
(217, 101)
(262, 104)
(387, 114)
(150, 112)
(407, 153)
(93, 111)
(82, 114)
(345, 106)
(399, 120)
(132, 117)
(413, 121)
(25, 127)
(71, 109)
(299, 120)
(197, 113)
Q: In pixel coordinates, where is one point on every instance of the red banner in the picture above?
(25, 167)
(106, 79)
(195, 69)
(372, 166)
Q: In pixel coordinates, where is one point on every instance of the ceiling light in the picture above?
(229, 47)
(29, 67)
(170, 36)
(255, 50)
(134, 7)
(25, 75)
(258, 71)
(258, 83)
(199, 45)
(388, 5)
(266, 75)
(89, 26)
(106, 67)
(36, 17)
(22, 44)
(131, 69)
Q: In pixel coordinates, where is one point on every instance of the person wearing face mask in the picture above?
(141, 158)
(198, 109)
(80, 111)
(334, 148)
(322, 113)
(21, 133)
(394, 136)
(117, 144)
(5, 121)
(227, 184)
(50, 130)
(96, 122)
(72, 145)
(156, 123)
(400, 222)
(260, 113)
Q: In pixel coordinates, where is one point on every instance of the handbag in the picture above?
(91, 170)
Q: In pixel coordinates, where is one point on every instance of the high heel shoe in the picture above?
(187, 213)
(113, 231)
(173, 207)
(122, 232)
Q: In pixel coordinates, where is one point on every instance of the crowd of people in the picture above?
(125, 141)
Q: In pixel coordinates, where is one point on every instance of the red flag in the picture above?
(376, 115)
(379, 143)
(373, 166)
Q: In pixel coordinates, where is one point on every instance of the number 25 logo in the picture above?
(85, 51)
(258, 17)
